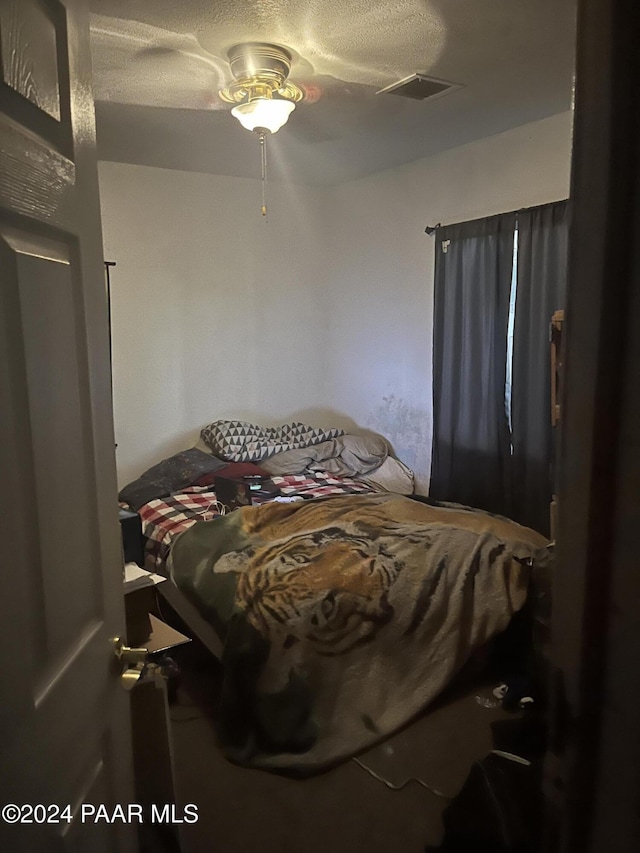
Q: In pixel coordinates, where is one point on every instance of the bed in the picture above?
(165, 518)
(341, 615)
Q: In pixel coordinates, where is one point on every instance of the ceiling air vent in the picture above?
(419, 87)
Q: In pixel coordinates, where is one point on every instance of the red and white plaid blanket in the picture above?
(164, 518)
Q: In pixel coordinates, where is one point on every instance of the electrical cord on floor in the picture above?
(404, 784)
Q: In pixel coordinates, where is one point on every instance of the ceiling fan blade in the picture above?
(135, 63)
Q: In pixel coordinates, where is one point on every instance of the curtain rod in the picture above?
(431, 229)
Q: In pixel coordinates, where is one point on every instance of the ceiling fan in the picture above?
(331, 72)
(261, 92)
(141, 64)
(263, 95)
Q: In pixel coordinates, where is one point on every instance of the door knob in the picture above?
(133, 662)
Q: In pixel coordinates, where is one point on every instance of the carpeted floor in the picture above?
(346, 810)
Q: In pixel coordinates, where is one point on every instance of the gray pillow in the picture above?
(170, 475)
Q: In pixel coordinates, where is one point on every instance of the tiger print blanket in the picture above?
(343, 617)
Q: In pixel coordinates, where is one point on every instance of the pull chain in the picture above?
(263, 147)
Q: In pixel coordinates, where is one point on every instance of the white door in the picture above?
(64, 720)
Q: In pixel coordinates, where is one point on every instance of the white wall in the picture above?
(381, 282)
(215, 312)
(322, 314)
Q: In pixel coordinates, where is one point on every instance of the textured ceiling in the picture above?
(158, 65)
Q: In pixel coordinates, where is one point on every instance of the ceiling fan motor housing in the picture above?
(259, 70)
(265, 61)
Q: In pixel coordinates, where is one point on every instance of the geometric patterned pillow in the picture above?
(239, 441)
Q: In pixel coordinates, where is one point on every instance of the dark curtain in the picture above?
(541, 286)
(471, 443)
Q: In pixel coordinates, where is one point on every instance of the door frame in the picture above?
(592, 781)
